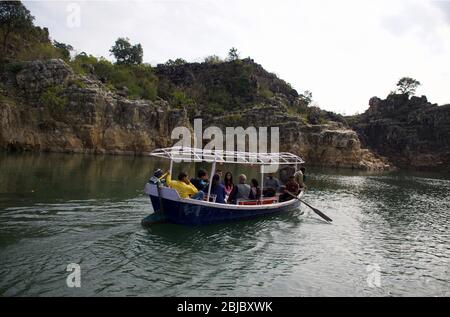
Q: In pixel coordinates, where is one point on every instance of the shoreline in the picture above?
(95, 153)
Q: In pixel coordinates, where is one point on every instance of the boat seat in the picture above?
(257, 202)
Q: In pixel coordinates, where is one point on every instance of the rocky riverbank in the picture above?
(411, 132)
(45, 106)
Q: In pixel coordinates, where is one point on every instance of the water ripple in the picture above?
(398, 221)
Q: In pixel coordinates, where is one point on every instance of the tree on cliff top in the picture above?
(177, 62)
(408, 85)
(306, 97)
(233, 54)
(213, 59)
(125, 53)
(64, 49)
(14, 17)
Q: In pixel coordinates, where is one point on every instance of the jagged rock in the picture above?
(38, 75)
(94, 120)
(331, 145)
(123, 92)
(410, 132)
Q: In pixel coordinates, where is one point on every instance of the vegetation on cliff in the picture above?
(212, 88)
(21, 39)
(53, 100)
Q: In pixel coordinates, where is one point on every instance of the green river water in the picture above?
(390, 235)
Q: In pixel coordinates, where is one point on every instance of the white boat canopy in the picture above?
(188, 154)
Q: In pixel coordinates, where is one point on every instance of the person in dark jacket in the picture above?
(291, 187)
(201, 182)
(218, 189)
(255, 191)
(272, 183)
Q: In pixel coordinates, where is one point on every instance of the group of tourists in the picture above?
(224, 190)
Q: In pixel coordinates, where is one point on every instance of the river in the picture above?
(390, 235)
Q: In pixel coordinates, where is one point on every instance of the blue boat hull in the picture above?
(191, 214)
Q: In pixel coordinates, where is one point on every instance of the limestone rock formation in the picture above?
(411, 132)
(47, 107)
(326, 145)
(88, 118)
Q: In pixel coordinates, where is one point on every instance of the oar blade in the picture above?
(321, 214)
(317, 211)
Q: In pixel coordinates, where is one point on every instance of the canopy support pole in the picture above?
(170, 166)
(261, 186)
(213, 171)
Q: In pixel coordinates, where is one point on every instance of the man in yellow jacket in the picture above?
(184, 187)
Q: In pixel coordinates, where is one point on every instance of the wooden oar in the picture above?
(317, 211)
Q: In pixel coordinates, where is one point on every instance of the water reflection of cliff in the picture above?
(37, 178)
(54, 177)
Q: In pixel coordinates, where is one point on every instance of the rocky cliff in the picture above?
(45, 106)
(330, 144)
(411, 132)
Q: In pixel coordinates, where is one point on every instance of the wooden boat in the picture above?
(168, 206)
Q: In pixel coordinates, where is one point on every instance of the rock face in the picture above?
(46, 107)
(251, 96)
(223, 87)
(410, 132)
(326, 145)
(91, 119)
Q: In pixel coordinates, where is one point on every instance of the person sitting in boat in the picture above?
(271, 186)
(300, 177)
(158, 177)
(290, 188)
(303, 169)
(255, 191)
(220, 173)
(240, 191)
(228, 182)
(184, 187)
(218, 189)
(201, 182)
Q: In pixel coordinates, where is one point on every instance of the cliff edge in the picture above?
(46, 106)
(410, 131)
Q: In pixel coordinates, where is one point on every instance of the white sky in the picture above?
(343, 51)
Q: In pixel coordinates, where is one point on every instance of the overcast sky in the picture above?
(343, 51)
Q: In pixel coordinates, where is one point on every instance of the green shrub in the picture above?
(53, 98)
(64, 49)
(78, 83)
(266, 93)
(213, 59)
(14, 67)
(177, 62)
(149, 90)
(215, 109)
(316, 116)
(232, 120)
(139, 79)
(179, 99)
(83, 63)
(41, 51)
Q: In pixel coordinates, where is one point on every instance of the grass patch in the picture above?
(139, 79)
